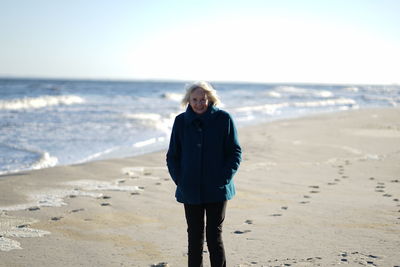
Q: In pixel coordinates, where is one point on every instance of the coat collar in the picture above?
(190, 115)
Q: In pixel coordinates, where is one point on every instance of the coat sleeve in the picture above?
(174, 153)
(232, 151)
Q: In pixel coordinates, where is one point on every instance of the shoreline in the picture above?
(320, 189)
(103, 154)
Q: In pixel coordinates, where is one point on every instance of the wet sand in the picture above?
(316, 191)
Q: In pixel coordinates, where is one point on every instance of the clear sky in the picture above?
(328, 41)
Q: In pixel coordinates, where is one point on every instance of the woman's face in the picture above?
(198, 101)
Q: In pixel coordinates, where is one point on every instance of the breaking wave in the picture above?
(272, 108)
(39, 102)
(29, 158)
(45, 161)
(153, 120)
(292, 91)
(173, 96)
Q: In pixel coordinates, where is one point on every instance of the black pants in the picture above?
(215, 215)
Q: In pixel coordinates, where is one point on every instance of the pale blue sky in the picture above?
(336, 41)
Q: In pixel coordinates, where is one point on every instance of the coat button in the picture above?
(199, 145)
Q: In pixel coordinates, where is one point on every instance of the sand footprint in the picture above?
(311, 192)
(76, 210)
(358, 258)
(305, 202)
(56, 218)
(239, 232)
(141, 188)
(341, 171)
(311, 261)
(161, 264)
(143, 172)
(379, 188)
(133, 172)
(314, 187)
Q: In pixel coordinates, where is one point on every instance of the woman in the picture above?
(203, 156)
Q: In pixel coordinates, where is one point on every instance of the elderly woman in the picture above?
(203, 156)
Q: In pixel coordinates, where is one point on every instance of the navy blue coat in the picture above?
(203, 156)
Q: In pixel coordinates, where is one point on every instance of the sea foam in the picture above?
(49, 198)
(13, 227)
(93, 185)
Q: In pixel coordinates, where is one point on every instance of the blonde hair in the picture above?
(208, 89)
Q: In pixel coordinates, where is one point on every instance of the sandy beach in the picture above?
(321, 190)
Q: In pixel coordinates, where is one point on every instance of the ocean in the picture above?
(44, 123)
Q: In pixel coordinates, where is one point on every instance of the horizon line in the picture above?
(104, 79)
